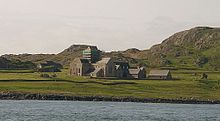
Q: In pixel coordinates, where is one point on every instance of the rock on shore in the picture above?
(27, 96)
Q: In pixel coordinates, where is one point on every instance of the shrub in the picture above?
(54, 75)
(45, 75)
(201, 61)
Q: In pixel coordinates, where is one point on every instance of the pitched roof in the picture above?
(79, 60)
(104, 61)
(96, 71)
(159, 72)
(124, 63)
(134, 71)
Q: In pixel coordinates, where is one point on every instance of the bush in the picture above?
(201, 61)
(204, 76)
(54, 75)
(45, 75)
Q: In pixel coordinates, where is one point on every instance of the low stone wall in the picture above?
(26, 96)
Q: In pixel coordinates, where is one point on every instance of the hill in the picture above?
(69, 54)
(64, 58)
(195, 48)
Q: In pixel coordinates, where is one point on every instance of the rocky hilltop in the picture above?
(195, 48)
(64, 58)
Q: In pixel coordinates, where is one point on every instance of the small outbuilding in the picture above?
(160, 75)
(139, 73)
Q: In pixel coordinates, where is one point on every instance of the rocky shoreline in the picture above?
(26, 96)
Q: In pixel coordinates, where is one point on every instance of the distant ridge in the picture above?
(64, 57)
(198, 47)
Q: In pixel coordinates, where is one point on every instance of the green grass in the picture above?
(187, 87)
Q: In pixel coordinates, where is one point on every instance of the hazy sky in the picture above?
(49, 26)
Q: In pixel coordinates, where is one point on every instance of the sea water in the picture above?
(33, 110)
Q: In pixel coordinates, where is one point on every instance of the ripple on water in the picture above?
(107, 111)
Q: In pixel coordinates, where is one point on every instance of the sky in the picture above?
(50, 26)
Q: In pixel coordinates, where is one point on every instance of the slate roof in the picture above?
(96, 71)
(104, 61)
(122, 63)
(159, 72)
(134, 71)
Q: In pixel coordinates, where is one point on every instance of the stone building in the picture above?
(84, 66)
(91, 65)
(160, 75)
(121, 68)
(139, 73)
(80, 67)
(104, 68)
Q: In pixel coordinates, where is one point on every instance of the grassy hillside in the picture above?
(195, 48)
(64, 58)
(213, 56)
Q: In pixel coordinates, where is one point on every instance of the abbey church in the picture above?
(91, 64)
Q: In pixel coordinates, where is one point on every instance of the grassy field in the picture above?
(187, 85)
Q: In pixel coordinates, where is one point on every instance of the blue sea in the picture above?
(32, 110)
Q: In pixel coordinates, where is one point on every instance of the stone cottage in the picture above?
(160, 75)
(139, 73)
